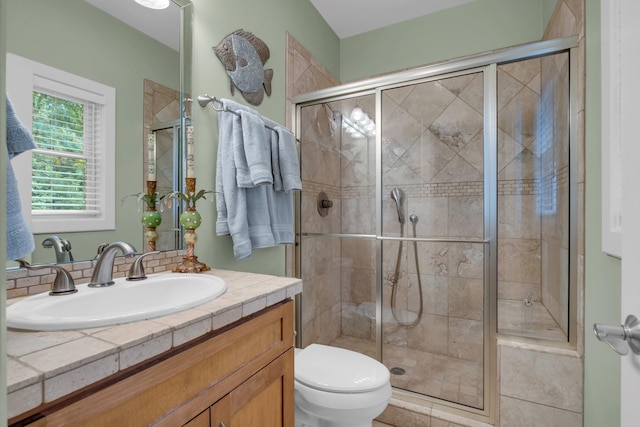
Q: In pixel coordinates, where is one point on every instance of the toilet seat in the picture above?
(338, 370)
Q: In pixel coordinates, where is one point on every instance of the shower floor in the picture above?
(435, 375)
(542, 325)
(451, 378)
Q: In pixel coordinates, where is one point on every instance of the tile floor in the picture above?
(426, 373)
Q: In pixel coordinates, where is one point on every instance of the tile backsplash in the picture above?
(22, 282)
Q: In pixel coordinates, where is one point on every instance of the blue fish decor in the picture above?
(243, 56)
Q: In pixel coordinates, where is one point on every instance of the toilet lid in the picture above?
(338, 370)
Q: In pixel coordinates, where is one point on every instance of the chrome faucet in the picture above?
(136, 271)
(62, 284)
(62, 248)
(103, 271)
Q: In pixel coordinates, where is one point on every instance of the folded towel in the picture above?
(19, 237)
(251, 152)
(288, 159)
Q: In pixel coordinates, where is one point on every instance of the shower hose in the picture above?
(396, 275)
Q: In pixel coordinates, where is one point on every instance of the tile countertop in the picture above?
(44, 366)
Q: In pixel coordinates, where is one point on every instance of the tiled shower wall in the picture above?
(320, 172)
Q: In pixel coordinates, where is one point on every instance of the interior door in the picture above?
(630, 110)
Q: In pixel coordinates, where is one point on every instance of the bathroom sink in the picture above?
(125, 301)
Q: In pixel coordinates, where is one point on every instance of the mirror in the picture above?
(151, 79)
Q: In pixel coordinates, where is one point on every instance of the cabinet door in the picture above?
(202, 420)
(266, 399)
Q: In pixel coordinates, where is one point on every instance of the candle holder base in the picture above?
(190, 264)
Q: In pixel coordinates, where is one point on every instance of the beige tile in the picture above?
(520, 413)
(20, 375)
(519, 260)
(427, 156)
(518, 118)
(466, 260)
(184, 318)
(518, 217)
(68, 356)
(145, 350)
(63, 384)
(24, 399)
(466, 298)
(550, 379)
(523, 71)
(395, 416)
(466, 217)
(226, 317)
(440, 98)
(431, 334)
(20, 343)
(466, 339)
(473, 94)
(131, 334)
(191, 331)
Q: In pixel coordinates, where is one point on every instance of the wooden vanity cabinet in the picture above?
(241, 377)
(259, 401)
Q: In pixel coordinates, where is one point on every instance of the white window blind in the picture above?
(66, 166)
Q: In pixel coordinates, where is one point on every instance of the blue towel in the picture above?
(242, 212)
(251, 153)
(249, 209)
(19, 237)
(288, 160)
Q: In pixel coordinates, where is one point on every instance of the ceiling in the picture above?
(163, 25)
(351, 17)
(346, 17)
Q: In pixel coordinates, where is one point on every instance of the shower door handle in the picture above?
(620, 337)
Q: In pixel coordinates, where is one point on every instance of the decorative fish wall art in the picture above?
(243, 56)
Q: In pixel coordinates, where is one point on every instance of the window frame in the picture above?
(23, 76)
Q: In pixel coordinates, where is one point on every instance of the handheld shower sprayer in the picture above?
(398, 195)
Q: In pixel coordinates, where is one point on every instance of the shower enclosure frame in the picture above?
(487, 64)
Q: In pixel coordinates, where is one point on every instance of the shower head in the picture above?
(398, 195)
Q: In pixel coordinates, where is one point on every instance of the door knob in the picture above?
(620, 337)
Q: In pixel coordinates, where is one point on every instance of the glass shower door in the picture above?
(433, 237)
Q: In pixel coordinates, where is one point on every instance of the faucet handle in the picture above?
(63, 284)
(136, 272)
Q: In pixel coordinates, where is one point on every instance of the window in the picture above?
(68, 182)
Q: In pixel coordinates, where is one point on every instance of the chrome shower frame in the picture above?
(487, 64)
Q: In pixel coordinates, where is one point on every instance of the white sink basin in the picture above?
(125, 301)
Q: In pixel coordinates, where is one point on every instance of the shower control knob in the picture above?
(324, 203)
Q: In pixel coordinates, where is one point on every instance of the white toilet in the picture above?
(335, 387)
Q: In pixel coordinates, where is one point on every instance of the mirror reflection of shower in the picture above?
(397, 195)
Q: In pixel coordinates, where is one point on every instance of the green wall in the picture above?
(602, 273)
(269, 20)
(479, 26)
(78, 38)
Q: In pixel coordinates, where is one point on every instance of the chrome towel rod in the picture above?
(205, 99)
